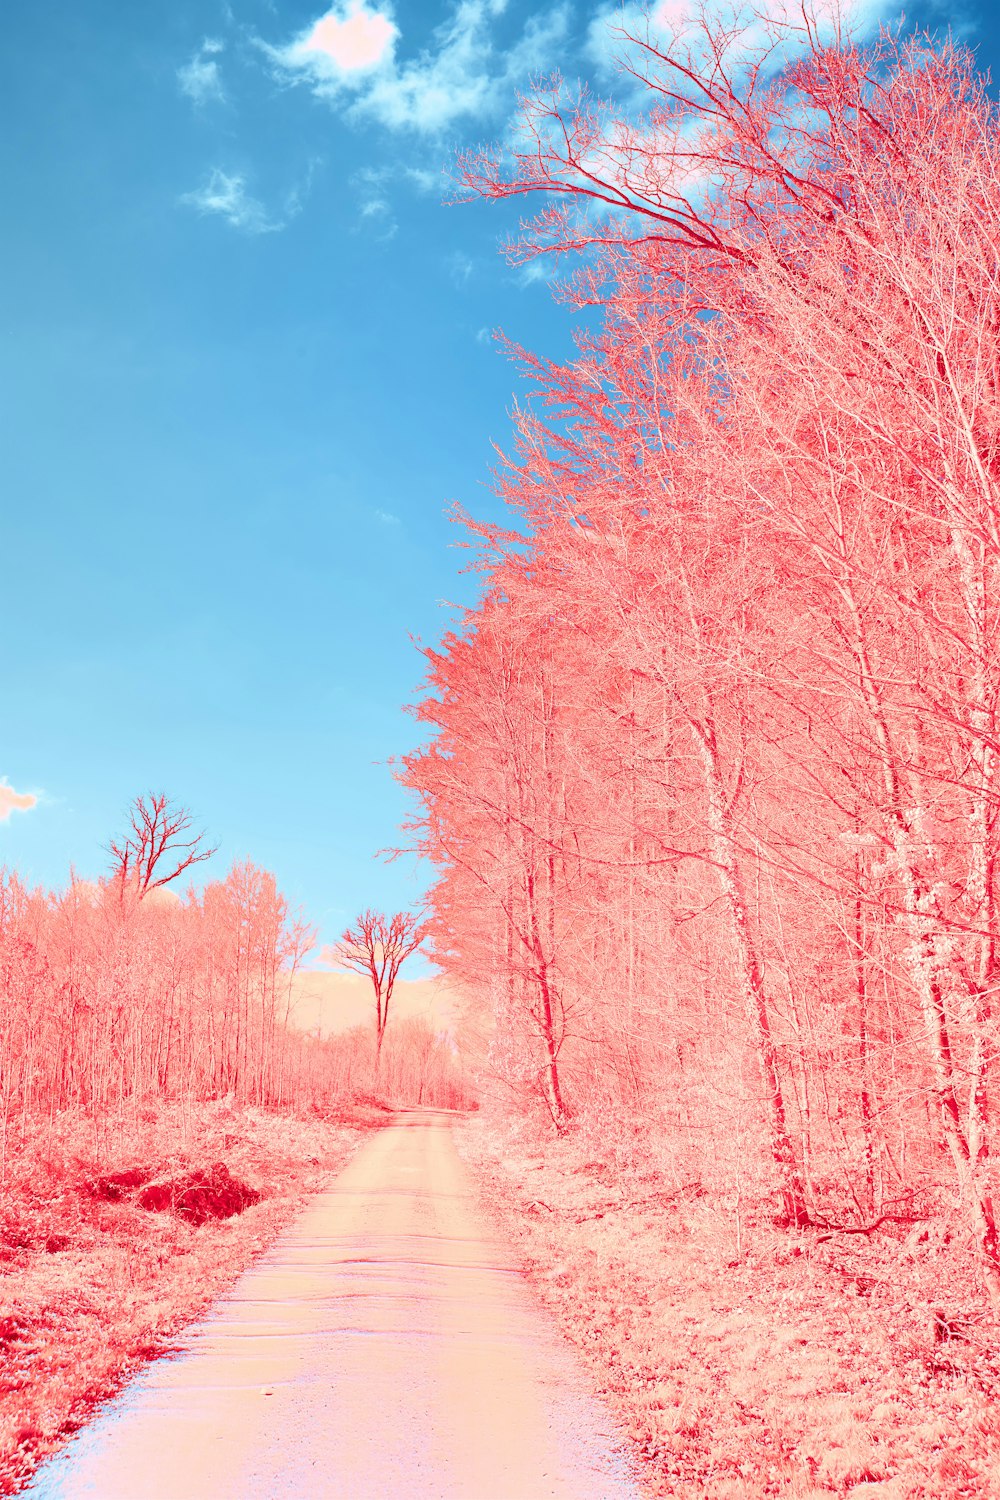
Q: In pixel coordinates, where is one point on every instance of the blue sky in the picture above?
(245, 369)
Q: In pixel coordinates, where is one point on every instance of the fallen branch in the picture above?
(866, 1228)
(617, 1207)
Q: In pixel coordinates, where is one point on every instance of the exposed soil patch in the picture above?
(114, 1235)
(209, 1193)
(112, 1187)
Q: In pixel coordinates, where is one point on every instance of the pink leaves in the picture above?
(714, 794)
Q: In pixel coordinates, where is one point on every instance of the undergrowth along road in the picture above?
(749, 1361)
(115, 1235)
(386, 1346)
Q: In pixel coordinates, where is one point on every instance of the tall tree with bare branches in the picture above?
(158, 846)
(377, 946)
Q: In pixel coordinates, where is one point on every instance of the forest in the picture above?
(711, 784)
(710, 789)
(711, 778)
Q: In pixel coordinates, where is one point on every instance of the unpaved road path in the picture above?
(386, 1348)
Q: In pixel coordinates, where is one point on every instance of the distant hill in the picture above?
(330, 1002)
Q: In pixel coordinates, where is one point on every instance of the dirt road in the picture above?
(385, 1349)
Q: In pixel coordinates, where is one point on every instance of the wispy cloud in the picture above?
(386, 518)
(374, 205)
(225, 194)
(377, 188)
(460, 267)
(443, 84)
(352, 53)
(540, 269)
(423, 180)
(753, 27)
(200, 78)
(301, 190)
(11, 801)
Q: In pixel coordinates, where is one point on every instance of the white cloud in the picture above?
(386, 518)
(540, 48)
(226, 194)
(463, 74)
(374, 185)
(438, 87)
(200, 78)
(341, 49)
(11, 801)
(353, 41)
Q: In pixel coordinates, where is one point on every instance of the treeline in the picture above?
(712, 789)
(120, 992)
(416, 1065)
(112, 996)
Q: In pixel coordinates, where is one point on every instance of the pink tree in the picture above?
(377, 947)
(155, 851)
(836, 218)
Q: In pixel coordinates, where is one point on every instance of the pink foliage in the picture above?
(110, 997)
(712, 789)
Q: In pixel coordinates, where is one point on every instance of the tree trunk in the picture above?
(750, 979)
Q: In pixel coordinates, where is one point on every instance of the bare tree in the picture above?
(155, 850)
(377, 946)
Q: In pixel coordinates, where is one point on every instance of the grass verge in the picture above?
(93, 1284)
(745, 1361)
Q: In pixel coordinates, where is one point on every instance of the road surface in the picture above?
(386, 1348)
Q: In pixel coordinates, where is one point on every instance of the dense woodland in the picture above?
(712, 782)
(111, 996)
